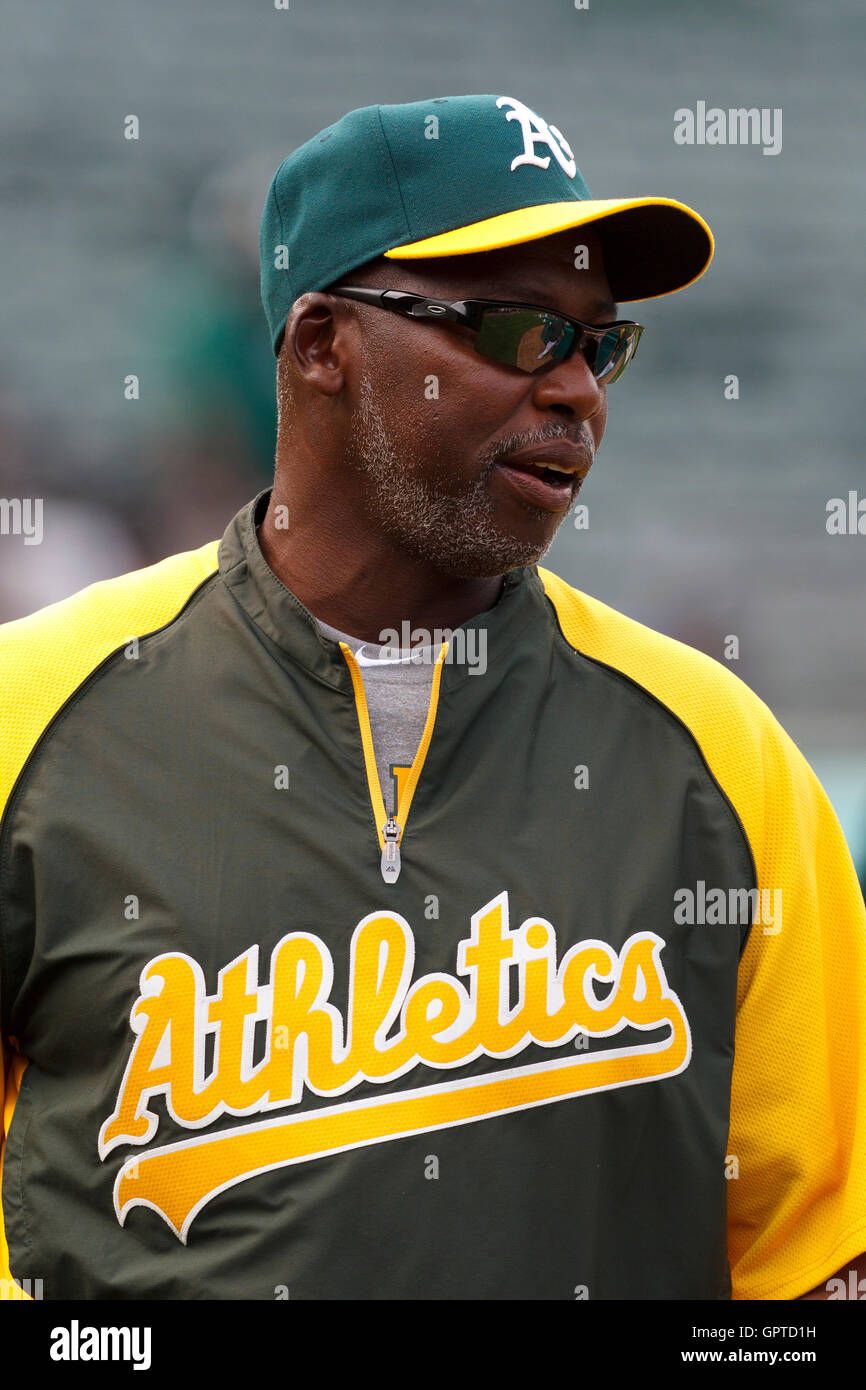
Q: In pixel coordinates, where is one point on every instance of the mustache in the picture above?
(580, 438)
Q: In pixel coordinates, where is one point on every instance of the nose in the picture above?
(569, 388)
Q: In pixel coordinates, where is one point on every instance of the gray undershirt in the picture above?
(397, 689)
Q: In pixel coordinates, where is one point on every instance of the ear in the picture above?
(320, 341)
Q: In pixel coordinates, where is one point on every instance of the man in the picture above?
(382, 917)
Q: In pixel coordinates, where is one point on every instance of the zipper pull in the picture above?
(391, 851)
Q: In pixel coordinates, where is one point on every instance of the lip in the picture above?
(558, 451)
(551, 497)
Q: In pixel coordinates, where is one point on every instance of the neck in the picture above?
(365, 585)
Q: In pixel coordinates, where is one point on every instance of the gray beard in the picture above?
(456, 533)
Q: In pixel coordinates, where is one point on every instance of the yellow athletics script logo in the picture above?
(391, 1026)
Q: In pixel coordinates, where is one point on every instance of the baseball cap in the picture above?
(449, 176)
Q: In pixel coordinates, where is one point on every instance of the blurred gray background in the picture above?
(707, 516)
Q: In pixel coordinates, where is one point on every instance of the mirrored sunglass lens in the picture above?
(611, 356)
(524, 339)
(616, 358)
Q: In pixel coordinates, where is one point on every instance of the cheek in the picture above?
(598, 422)
(474, 398)
(471, 414)
(443, 402)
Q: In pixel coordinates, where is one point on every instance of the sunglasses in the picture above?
(520, 335)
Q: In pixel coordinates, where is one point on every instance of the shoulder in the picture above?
(45, 656)
(750, 755)
(701, 691)
(112, 608)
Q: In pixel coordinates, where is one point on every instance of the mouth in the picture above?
(541, 482)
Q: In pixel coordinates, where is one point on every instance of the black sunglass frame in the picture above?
(470, 313)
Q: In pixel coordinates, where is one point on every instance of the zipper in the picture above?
(390, 829)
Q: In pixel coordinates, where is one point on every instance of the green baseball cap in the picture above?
(447, 177)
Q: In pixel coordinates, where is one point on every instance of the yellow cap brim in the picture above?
(651, 246)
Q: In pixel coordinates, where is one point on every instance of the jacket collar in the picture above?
(282, 617)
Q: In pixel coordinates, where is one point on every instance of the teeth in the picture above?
(542, 465)
(539, 467)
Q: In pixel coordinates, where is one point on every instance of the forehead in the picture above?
(555, 270)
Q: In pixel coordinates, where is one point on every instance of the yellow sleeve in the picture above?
(11, 1068)
(44, 657)
(797, 1209)
(4, 1252)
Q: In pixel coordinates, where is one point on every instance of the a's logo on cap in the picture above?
(536, 131)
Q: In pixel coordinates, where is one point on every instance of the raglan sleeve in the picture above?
(17, 722)
(4, 1253)
(4, 1056)
(797, 1139)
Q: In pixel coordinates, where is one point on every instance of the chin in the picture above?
(490, 562)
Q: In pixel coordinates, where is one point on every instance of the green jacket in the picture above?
(601, 1036)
